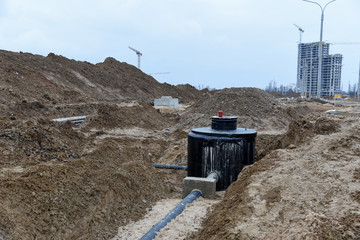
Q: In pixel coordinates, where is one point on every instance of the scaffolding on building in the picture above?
(308, 67)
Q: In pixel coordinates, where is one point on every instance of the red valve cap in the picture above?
(220, 114)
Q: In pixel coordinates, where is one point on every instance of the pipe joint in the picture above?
(213, 175)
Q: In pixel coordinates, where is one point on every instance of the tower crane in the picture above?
(138, 53)
(300, 30)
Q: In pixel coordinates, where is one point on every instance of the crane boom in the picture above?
(137, 51)
(300, 31)
(298, 27)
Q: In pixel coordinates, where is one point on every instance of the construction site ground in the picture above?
(96, 180)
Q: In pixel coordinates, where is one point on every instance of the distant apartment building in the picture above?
(307, 72)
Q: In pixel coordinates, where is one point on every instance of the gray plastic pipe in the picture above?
(151, 234)
(76, 120)
(170, 166)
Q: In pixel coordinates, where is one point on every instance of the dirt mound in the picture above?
(254, 108)
(298, 132)
(325, 125)
(247, 101)
(136, 114)
(188, 92)
(36, 141)
(134, 84)
(276, 94)
(63, 181)
(55, 79)
(86, 198)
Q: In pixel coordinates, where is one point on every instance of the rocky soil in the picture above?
(87, 181)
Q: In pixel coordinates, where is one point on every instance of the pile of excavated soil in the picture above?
(26, 143)
(276, 94)
(298, 132)
(84, 198)
(307, 191)
(254, 108)
(55, 79)
(137, 114)
(61, 181)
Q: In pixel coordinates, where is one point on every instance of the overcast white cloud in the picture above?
(228, 43)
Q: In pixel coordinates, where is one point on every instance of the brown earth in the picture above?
(307, 191)
(138, 114)
(33, 86)
(61, 181)
(254, 108)
(86, 198)
(58, 183)
(43, 83)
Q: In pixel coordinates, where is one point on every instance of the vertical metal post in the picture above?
(139, 60)
(318, 92)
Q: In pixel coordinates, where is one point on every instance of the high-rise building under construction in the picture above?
(308, 67)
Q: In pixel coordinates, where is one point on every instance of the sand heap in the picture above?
(55, 184)
(55, 79)
(136, 114)
(38, 141)
(254, 108)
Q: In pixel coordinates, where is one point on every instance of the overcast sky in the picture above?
(228, 43)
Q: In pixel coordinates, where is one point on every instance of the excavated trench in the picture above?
(196, 213)
(60, 182)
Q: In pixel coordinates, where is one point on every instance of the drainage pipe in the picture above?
(76, 120)
(213, 175)
(151, 234)
(170, 166)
